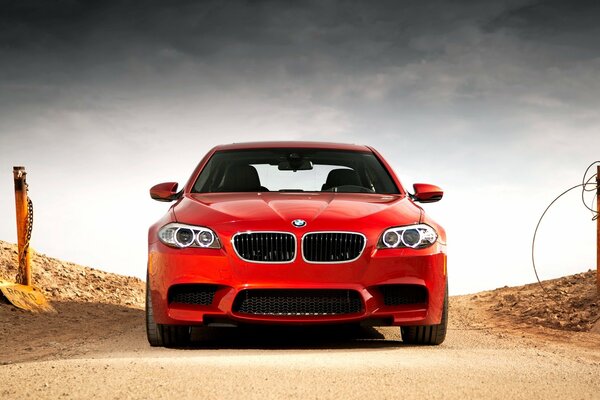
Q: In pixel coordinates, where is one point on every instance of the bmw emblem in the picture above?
(299, 223)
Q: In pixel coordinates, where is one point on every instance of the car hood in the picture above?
(322, 209)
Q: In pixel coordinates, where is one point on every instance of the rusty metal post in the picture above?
(22, 206)
(598, 230)
(23, 294)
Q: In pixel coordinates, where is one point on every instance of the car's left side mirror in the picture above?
(426, 193)
(164, 191)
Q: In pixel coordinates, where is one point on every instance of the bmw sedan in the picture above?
(295, 233)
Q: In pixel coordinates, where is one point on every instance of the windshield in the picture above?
(294, 170)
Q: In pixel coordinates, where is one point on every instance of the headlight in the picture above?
(181, 236)
(413, 236)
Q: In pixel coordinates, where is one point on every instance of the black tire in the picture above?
(152, 330)
(428, 334)
(175, 335)
(164, 335)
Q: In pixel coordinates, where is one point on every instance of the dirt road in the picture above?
(91, 350)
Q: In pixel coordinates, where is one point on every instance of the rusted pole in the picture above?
(22, 206)
(598, 230)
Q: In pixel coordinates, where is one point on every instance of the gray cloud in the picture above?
(336, 52)
(487, 70)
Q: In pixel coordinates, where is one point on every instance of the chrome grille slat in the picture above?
(332, 247)
(266, 247)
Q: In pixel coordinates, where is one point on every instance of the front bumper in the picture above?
(230, 276)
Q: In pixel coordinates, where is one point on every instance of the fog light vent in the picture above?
(395, 295)
(198, 294)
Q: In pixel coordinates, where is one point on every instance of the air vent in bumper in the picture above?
(395, 295)
(297, 302)
(198, 294)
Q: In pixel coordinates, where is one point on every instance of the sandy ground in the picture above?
(93, 349)
(89, 350)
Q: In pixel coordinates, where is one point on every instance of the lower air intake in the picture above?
(395, 295)
(297, 302)
(198, 294)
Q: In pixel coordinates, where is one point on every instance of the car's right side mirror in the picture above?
(164, 191)
(426, 193)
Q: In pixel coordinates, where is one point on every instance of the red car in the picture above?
(295, 233)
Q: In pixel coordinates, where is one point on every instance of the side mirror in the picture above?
(164, 191)
(426, 193)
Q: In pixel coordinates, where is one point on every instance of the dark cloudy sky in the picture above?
(496, 101)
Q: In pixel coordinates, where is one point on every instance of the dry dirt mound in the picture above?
(569, 303)
(92, 307)
(60, 280)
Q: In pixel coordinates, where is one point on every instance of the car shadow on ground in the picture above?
(292, 337)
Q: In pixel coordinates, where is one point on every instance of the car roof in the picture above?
(291, 145)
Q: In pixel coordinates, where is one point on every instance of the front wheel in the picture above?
(428, 334)
(175, 335)
(164, 335)
(152, 329)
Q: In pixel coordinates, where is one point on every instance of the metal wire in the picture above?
(594, 188)
(584, 185)
(23, 255)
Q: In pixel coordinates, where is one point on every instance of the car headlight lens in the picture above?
(391, 238)
(182, 236)
(205, 238)
(413, 236)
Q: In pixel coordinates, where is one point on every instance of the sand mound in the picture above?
(65, 281)
(568, 303)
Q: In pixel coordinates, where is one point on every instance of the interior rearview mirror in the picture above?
(295, 165)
